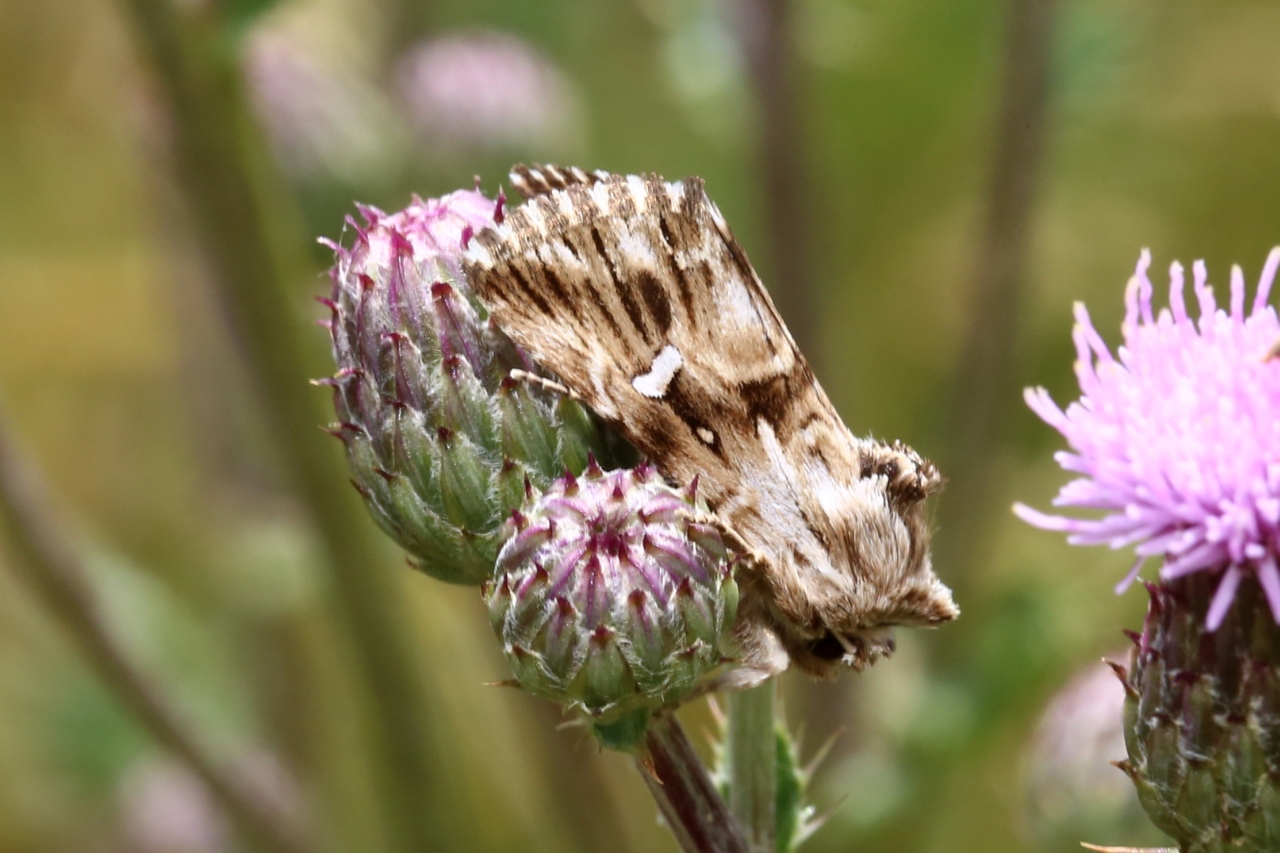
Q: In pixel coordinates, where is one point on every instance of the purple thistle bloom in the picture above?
(1176, 438)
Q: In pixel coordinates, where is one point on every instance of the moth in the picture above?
(634, 293)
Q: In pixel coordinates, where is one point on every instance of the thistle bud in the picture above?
(613, 598)
(1202, 718)
(441, 440)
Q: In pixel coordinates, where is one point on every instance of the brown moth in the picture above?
(635, 294)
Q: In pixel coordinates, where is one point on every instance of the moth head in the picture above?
(874, 535)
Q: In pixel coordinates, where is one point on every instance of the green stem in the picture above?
(250, 231)
(688, 799)
(752, 764)
(54, 571)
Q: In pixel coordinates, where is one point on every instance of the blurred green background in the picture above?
(126, 382)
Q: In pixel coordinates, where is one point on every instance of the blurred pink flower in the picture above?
(1176, 438)
(488, 89)
(165, 808)
(1071, 786)
(322, 117)
(168, 810)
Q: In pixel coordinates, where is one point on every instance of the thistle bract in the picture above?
(441, 440)
(613, 597)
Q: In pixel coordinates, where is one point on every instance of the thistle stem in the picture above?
(986, 366)
(752, 763)
(53, 570)
(766, 33)
(685, 794)
(250, 232)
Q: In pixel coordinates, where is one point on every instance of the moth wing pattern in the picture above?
(536, 180)
(608, 279)
(635, 294)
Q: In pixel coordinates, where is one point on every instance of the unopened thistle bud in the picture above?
(1177, 441)
(614, 598)
(442, 441)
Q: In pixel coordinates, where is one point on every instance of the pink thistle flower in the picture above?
(1176, 437)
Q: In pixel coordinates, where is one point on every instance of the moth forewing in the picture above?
(635, 294)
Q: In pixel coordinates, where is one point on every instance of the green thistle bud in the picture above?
(1202, 718)
(612, 598)
(441, 441)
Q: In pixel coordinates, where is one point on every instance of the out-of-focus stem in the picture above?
(983, 381)
(765, 33)
(51, 567)
(685, 794)
(752, 763)
(251, 234)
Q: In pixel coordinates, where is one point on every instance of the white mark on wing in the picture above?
(661, 372)
(533, 216)
(675, 192)
(568, 209)
(600, 195)
(706, 435)
(638, 192)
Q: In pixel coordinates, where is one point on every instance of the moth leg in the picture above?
(542, 382)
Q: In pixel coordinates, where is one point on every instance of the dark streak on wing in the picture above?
(557, 286)
(598, 300)
(527, 290)
(677, 272)
(774, 398)
(655, 299)
(696, 412)
(622, 288)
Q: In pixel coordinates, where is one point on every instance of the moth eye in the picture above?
(828, 647)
